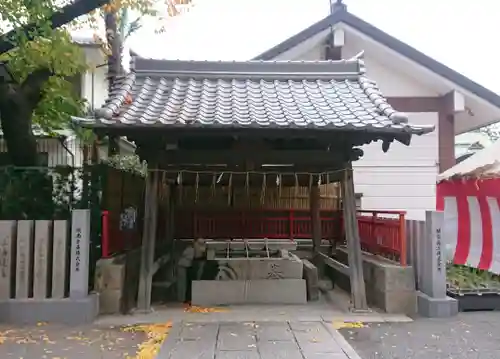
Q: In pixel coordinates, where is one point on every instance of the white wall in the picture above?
(403, 178)
(94, 82)
(57, 154)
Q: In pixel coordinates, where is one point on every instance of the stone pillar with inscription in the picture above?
(38, 294)
(80, 247)
(432, 299)
(7, 242)
(59, 259)
(43, 238)
(24, 278)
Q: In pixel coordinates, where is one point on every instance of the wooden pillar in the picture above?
(148, 241)
(314, 202)
(358, 293)
(446, 133)
(337, 235)
(113, 146)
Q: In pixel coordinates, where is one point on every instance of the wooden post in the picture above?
(113, 147)
(355, 259)
(172, 201)
(148, 241)
(337, 217)
(314, 201)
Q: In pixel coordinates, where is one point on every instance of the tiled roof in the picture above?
(326, 95)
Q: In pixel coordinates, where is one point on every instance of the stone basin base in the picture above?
(263, 291)
(251, 272)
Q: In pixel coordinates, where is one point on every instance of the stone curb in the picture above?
(170, 341)
(342, 342)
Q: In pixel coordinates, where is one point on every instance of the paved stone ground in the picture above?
(467, 336)
(254, 340)
(50, 341)
(311, 312)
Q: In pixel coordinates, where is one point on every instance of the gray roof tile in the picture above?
(326, 94)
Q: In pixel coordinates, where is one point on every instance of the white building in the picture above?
(404, 178)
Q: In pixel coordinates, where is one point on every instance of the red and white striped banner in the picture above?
(471, 225)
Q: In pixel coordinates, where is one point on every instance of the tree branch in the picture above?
(67, 14)
(32, 86)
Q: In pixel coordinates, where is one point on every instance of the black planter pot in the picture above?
(476, 299)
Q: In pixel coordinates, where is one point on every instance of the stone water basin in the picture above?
(250, 260)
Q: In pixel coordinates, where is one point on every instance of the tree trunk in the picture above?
(114, 63)
(17, 132)
(115, 47)
(17, 102)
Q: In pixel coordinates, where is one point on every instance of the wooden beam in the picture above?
(150, 136)
(447, 107)
(454, 102)
(242, 157)
(332, 263)
(415, 104)
(254, 180)
(148, 242)
(358, 290)
(160, 262)
(241, 170)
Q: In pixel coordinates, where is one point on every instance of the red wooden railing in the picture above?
(381, 232)
(252, 224)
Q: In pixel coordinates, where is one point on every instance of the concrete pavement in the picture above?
(312, 312)
(255, 340)
(474, 335)
(47, 341)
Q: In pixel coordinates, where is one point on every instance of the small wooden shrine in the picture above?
(251, 125)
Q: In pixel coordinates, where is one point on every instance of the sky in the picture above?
(462, 34)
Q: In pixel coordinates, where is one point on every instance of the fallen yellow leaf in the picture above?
(196, 309)
(156, 333)
(341, 325)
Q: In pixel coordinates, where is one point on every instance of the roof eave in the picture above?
(401, 136)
